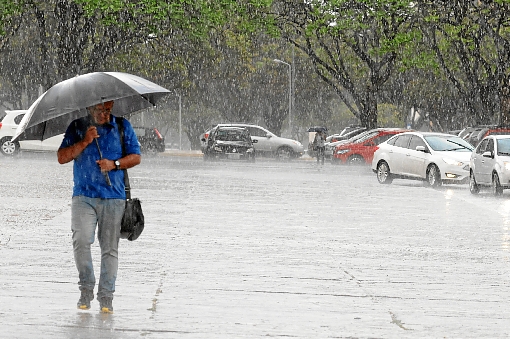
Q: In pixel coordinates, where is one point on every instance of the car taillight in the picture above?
(157, 133)
(0, 125)
(206, 136)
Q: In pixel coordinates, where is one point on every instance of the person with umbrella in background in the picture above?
(99, 198)
(318, 143)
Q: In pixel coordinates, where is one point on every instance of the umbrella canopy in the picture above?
(53, 111)
(317, 129)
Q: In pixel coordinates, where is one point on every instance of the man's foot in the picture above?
(85, 298)
(105, 304)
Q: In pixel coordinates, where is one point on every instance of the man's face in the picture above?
(101, 113)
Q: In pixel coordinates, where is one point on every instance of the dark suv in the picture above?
(150, 139)
(228, 142)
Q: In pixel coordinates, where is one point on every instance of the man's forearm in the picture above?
(68, 154)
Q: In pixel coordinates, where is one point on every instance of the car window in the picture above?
(416, 141)
(232, 135)
(382, 138)
(364, 137)
(392, 140)
(490, 146)
(448, 143)
(257, 132)
(503, 146)
(481, 148)
(18, 118)
(402, 141)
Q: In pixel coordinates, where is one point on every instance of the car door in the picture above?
(398, 153)
(477, 161)
(417, 160)
(370, 146)
(486, 164)
(263, 138)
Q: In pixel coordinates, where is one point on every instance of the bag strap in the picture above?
(127, 188)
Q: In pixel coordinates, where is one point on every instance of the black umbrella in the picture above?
(53, 111)
(318, 129)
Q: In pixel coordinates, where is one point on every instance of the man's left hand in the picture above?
(106, 165)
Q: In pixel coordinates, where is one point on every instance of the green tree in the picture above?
(471, 40)
(354, 45)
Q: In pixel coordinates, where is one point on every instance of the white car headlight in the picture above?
(453, 162)
(506, 165)
(342, 151)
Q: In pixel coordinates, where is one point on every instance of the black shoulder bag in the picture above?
(133, 220)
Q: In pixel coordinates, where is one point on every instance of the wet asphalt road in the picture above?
(237, 250)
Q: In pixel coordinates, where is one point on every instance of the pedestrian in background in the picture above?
(319, 145)
(99, 198)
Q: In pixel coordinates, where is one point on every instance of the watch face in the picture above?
(117, 163)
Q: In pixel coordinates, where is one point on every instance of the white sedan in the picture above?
(8, 125)
(436, 158)
(490, 164)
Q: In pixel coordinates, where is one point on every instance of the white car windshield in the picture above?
(448, 143)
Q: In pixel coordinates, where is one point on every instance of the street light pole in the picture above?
(180, 123)
(290, 92)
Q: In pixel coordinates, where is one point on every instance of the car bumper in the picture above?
(455, 174)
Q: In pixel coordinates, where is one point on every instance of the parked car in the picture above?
(434, 157)
(9, 123)
(345, 136)
(336, 139)
(490, 164)
(493, 130)
(475, 134)
(360, 149)
(228, 142)
(268, 144)
(150, 139)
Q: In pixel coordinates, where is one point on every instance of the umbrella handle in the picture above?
(106, 176)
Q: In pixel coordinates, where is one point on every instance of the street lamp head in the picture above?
(281, 62)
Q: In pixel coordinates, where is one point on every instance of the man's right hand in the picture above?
(90, 135)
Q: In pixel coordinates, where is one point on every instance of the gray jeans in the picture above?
(106, 214)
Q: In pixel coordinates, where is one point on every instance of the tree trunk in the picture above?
(504, 109)
(368, 115)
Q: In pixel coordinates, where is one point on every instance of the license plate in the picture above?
(234, 156)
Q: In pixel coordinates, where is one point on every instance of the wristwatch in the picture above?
(117, 164)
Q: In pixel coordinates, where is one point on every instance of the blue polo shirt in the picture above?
(88, 179)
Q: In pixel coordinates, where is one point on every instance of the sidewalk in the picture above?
(195, 153)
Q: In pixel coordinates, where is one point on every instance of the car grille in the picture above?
(233, 149)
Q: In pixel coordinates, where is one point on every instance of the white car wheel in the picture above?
(9, 148)
(433, 176)
(284, 153)
(497, 190)
(473, 186)
(383, 173)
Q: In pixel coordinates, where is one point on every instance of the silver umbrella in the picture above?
(53, 111)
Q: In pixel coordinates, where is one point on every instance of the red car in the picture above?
(361, 151)
(498, 130)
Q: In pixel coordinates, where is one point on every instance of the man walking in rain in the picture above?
(93, 142)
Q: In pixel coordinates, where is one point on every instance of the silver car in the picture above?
(490, 164)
